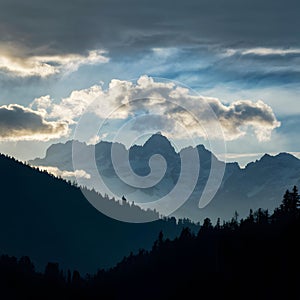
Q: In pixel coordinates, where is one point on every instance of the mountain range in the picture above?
(260, 184)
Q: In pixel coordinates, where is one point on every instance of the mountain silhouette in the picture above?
(49, 219)
(258, 185)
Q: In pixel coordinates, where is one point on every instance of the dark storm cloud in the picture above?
(51, 27)
(20, 123)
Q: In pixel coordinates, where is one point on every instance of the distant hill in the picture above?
(260, 184)
(48, 219)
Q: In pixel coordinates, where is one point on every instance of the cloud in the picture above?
(182, 41)
(65, 174)
(21, 123)
(95, 139)
(172, 109)
(44, 66)
(261, 51)
(133, 26)
(297, 154)
(271, 51)
(241, 113)
(73, 106)
(42, 104)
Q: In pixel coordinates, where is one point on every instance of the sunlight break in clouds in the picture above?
(21, 123)
(44, 66)
(171, 107)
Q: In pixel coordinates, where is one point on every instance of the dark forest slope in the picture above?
(48, 219)
(254, 258)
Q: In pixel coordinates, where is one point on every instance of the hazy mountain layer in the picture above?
(260, 184)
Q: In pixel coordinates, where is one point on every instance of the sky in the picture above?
(194, 64)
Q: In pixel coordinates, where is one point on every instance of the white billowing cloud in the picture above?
(20, 123)
(297, 154)
(43, 66)
(65, 174)
(94, 140)
(172, 109)
(42, 104)
(73, 106)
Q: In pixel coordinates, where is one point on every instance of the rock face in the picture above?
(259, 184)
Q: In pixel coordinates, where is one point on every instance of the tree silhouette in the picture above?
(257, 258)
(206, 226)
(52, 271)
(295, 198)
(287, 202)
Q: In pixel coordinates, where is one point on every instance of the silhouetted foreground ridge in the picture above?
(49, 219)
(253, 258)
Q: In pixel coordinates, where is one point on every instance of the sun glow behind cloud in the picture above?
(44, 66)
